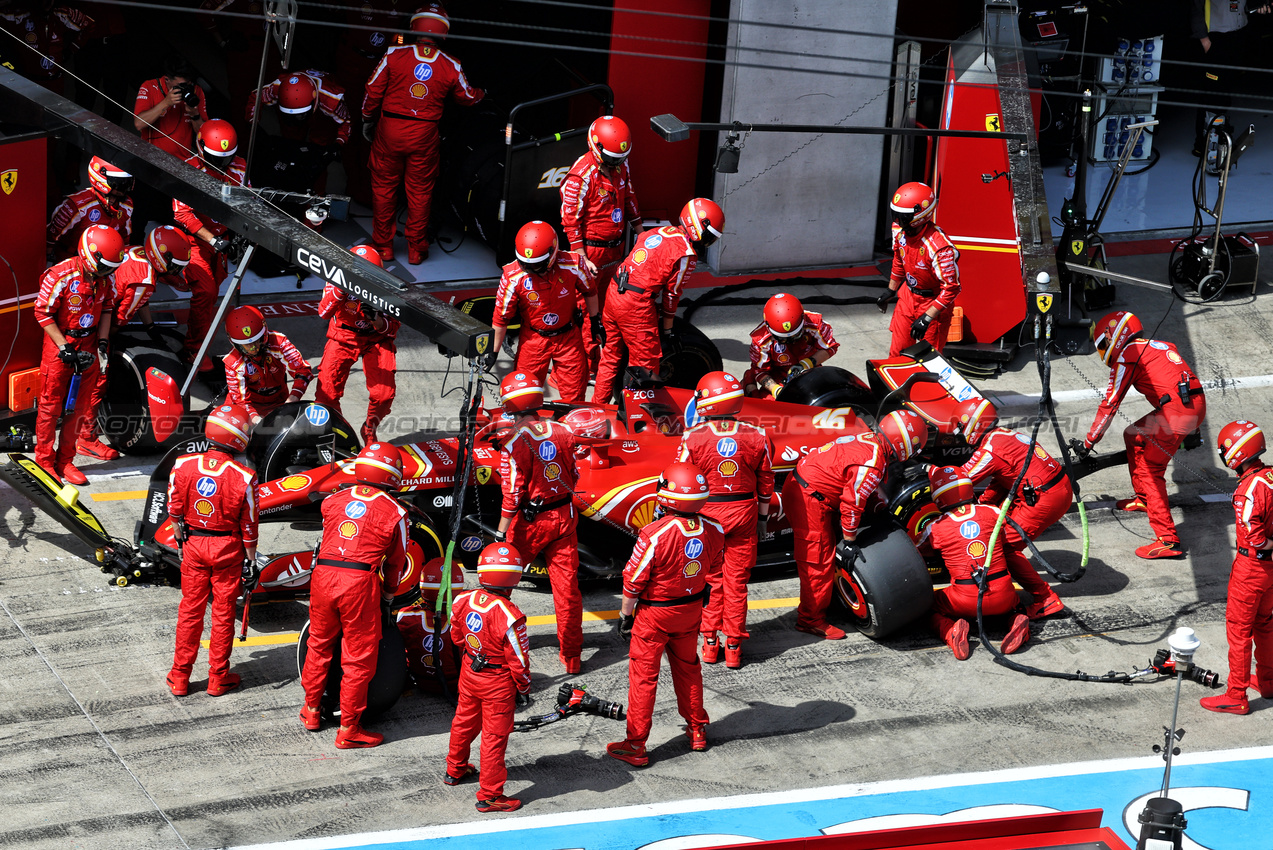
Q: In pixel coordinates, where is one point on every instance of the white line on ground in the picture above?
(1011, 400)
(835, 792)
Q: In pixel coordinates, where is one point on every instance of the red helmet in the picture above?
(245, 325)
(521, 392)
(217, 142)
(703, 220)
(106, 178)
(536, 246)
(912, 203)
(368, 253)
(610, 140)
(718, 394)
(682, 488)
(431, 21)
(1239, 442)
(974, 418)
(228, 426)
(1112, 333)
(905, 432)
(167, 249)
(296, 95)
(588, 422)
(499, 567)
(431, 578)
(379, 465)
(950, 487)
(784, 315)
(102, 249)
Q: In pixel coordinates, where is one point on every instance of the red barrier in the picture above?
(23, 170)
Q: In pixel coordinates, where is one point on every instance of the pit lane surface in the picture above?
(97, 754)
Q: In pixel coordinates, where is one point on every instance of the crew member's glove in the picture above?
(625, 627)
(1081, 449)
(598, 330)
(221, 244)
(369, 130)
(523, 700)
(76, 359)
(487, 360)
(668, 339)
(762, 527)
(919, 327)
(883, 301)
(500, 537)
(800, 368)
(248, 572)
(847, 553)
(332, 153)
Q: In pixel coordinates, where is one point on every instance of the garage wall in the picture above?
(800, 200)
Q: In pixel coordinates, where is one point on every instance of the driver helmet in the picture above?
(228, 427)
(610, 140)
(588, 422)
(784, 315)
(536, 247)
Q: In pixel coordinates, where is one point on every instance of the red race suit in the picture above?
(351, 335)
(173, 131)
(214, 496)
(364, 540)
(49, 30)
(999, 458)
(408, 88)
(837, 479)
(962, 538)
(1158, 371)
(262, 385)
(73, 300)
(538, 469)
(927, 265)
(550, 315)
(737, 459)
(667, 573)
(78, 212)
(1248, 616)
(646, 286)
(774, 356)
(207, 269)
(331, 128)
(492, 632)
(432, 658)
(134, 284)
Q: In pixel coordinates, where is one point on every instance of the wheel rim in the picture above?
(853, 597)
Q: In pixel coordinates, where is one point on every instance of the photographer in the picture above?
(171, 109)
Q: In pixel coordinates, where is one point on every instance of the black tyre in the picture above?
(125, 413)
(889, 586)
(831, 386)
(906, 492)
(298, 437)
(697, 356)
(387, 682)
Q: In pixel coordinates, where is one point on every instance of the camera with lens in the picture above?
(1163, 665)
(189, 94)
(575, 699)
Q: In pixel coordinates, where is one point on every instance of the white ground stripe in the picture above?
(835, 792)
(1011, 400)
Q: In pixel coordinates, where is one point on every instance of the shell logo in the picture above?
(92, 247)
(552, 471)
(1040, 453)
(348, 529)
(163, 248)
(419, 90)
(643, 514)
(976, 549)
(473, 642)
(1174, 357)
(728, 468)
(203, 507)
(294, 482)
(639, 256)
(923, 205)
(692, 568)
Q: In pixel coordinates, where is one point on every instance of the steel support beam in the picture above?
(23, 102)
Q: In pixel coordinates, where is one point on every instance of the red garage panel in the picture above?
(22, 209)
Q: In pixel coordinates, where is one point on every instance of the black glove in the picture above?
(884, 300)
(1080, 449)
(762, 527)
(670, 342)
(598, 331)
(487, 360)
(500, 537)
(221, 244)
(76, 359)
(847, 553)
(625, 627)
(523, 700)
(248, 572)
(332, 153)
(103, 347)
(919, 327)
(800, 368)
(369, 130)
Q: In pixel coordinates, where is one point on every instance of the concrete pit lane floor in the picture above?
(97, 754)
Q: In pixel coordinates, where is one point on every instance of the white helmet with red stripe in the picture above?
(703, 221)
(905, 432)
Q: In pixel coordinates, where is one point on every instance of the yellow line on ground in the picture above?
(263, 640)
(119, 495)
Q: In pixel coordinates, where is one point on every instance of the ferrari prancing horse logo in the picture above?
(9, 180)
(1044, 302)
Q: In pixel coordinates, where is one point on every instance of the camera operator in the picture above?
(170, 109)
(495, 677)
(1248, 614)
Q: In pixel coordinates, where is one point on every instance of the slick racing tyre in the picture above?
(831, 386)
(298, 437)
(693, 357)
(387, 682)
(127, 416)
(889, 585)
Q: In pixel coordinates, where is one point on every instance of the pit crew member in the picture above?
(927, 263)
(262, 365)
(790, 341)
(432, 658)
(664, 588)
(105, 201)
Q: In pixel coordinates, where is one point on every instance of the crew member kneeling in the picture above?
(212, 502)
(495, 677)
(261, 365)
(790, 341)
(364, 538)
(961, 535)
(664, 586)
